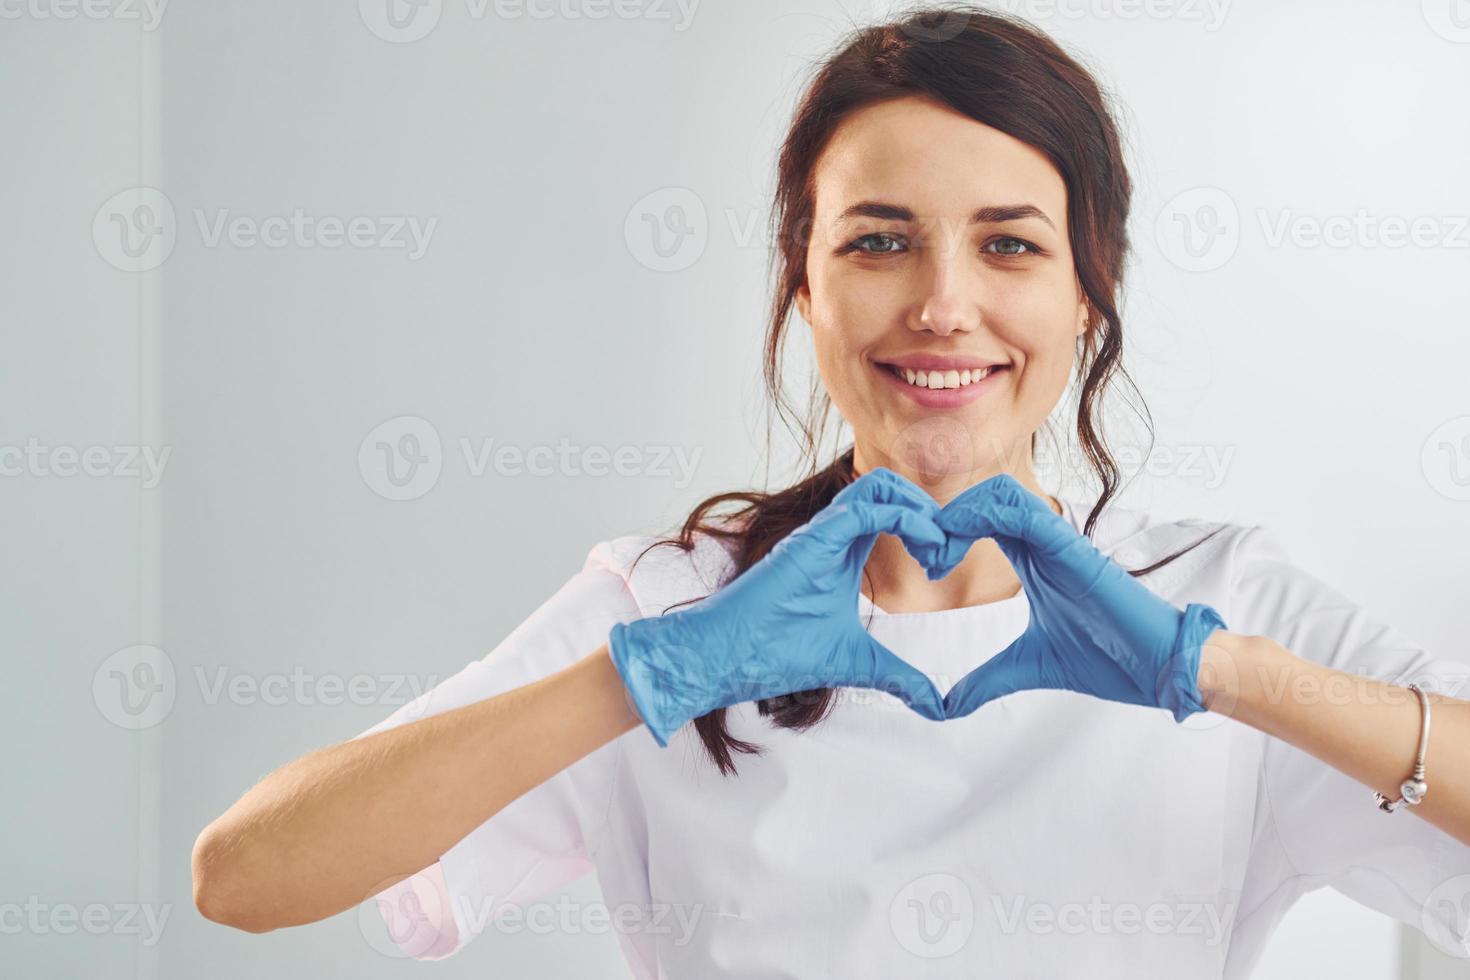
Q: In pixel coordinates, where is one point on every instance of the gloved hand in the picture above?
(1094, 628)
(789, 622)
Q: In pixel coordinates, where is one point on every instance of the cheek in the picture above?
(847, 317)
(1040, 320)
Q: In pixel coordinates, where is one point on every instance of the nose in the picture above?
(949, 302)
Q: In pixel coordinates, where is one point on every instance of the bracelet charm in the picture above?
(1413, 789)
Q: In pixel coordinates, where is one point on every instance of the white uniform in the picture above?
(1049, 834)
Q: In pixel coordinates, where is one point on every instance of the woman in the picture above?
(896, 645)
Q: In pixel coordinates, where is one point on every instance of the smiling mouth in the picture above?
(942, 379)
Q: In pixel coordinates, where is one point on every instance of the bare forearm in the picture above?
(1363, 727)
(339, 825)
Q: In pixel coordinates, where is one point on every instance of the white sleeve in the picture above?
(1316, 826)
(540, 841)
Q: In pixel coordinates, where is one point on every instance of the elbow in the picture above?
(217, 892)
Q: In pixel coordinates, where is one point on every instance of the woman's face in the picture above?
(940, 244)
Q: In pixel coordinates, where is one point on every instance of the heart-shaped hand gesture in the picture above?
(1094, 628)
(789, 622)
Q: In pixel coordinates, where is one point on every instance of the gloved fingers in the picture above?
(976, 501)
(986, 511)
(921, 537)
(956, 546)
(894, 675)
(1019, 667)
(878, 503)
(881, 485)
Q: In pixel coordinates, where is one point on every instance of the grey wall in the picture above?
(1319, 388)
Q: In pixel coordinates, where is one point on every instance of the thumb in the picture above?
(1016, 668)
(896, 676)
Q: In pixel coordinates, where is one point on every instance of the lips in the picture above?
(951, 391)
(934, 379)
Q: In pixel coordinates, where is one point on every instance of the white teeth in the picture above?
(944, 379)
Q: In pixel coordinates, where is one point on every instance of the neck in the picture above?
(895, 582)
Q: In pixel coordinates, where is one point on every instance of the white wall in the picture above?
(270, 545)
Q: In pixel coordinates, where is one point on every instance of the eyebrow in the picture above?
(991, 214)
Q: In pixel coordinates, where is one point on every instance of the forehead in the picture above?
(934, 160)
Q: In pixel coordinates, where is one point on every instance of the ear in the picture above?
(1084, 314)
(804, 303)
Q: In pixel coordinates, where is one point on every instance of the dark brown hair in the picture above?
(1007, 74)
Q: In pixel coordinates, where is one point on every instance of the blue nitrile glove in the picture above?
(789, 622)
(1094, 628)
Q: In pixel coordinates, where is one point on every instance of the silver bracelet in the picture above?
(1412, 790)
